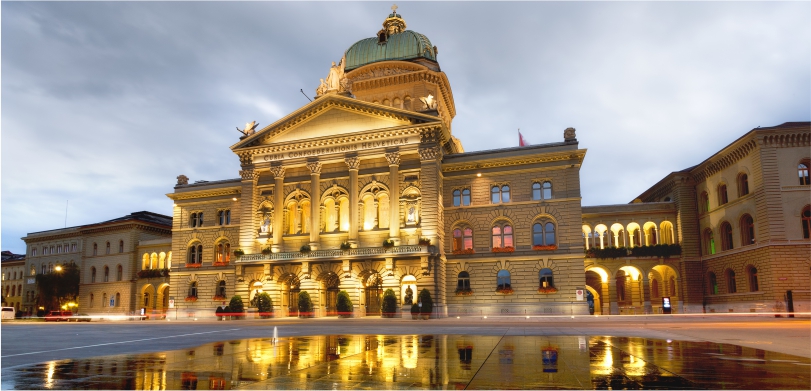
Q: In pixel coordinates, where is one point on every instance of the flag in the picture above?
(521, 141)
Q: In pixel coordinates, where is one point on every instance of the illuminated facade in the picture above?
(366, 188)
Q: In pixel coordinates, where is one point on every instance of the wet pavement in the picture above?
(428, 362)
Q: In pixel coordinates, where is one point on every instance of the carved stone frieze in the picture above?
(277, 171)
(393, 158)
(315, 167)
(353, 162)
(429, 136)
(381, 72)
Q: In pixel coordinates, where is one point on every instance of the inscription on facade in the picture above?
(336, 149)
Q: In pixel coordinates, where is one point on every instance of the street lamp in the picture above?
(58, 268)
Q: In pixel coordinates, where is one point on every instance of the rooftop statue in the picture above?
(250, 128)
(429, 102)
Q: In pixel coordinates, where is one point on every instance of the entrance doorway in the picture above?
(293, 289)
(331, 283)
(374, 294)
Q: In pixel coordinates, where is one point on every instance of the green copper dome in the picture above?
(407, 45)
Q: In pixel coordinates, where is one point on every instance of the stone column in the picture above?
(394, 196)
(605, 299)
(247, 233)
(315, 203)
(278, 208)
(353, 162)
(613, 304)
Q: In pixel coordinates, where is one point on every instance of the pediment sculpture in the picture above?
(250, 128)
(429, 102)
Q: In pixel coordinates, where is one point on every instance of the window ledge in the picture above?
(738, 294)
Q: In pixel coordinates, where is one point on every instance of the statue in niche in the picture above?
(411, 218)
(266, 226)
(409, 296)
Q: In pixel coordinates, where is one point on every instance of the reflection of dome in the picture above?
(393, 42)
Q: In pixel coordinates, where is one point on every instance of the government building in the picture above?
(368, 188)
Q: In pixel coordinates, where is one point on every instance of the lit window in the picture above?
(726, 236)
(462, 239)
(223, 253)
(502, 236)
(545, 278)
(747, 230)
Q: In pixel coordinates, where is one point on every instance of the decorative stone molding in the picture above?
(430, 153)
(277, 171)
(249, 174)
(315, 167)
(429, 135)
(381, 72)
(353, 162)
(393, 158)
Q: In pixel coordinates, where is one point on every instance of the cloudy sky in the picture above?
(104, 104)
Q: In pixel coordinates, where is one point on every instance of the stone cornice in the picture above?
(723, 159)
(135, 225)
(203, 194)
(516, 161)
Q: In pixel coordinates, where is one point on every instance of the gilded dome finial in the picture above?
(394, 24)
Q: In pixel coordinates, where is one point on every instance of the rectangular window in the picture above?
(73, 247)
(33, 251)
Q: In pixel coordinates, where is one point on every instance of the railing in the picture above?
(409, 249)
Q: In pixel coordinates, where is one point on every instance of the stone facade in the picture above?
(13, 274)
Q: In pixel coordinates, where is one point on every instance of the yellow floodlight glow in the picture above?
(601, 272)
(634, 272)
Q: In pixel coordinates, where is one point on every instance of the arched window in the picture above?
(13, 290)
(195, 253)
(500, 194)
(462, 239)
(224, 217)
(704, 202)
(193, 289)
(503, 279)
(466, 197)
(722, 194)
(747, 230)
(146, 299)
(92, 300)
(44, 268)
(106, 274)
(223, 252)
(95, 249)
(545, 278)
(547, 190)
(654, 288)
(709, 242)
(726, 236)
(536, 192)
(221, 288)
(107, 249)
(731, 285)
(502, 236)
(119, 274)
(806, 218)
(196, 219)
(543, 234)
(120, 246)
(457, 198)
(713, 283)
(802, 170)
(743, 185)
(751, 272)
(463, 281)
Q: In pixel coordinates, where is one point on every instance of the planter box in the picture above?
(415, 316)
(388, 314)
(426, 316)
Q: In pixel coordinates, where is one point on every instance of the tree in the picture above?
(389, 303)
(236, 305)
(59, 286)
(265, 305)
(427, 303)
(344, 304)
(305, 305)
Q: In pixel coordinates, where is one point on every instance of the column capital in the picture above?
(315, 167)
(430, 153)
(353, 162)
(277, 171)
(393, 158)
(249, 174)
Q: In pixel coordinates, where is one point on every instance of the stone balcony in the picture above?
(353, 253)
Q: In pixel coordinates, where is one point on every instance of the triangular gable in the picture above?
(333, 115)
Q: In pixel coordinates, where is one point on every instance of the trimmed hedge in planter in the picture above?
(265, 305)
(389, 303)
(237, 307)
(344, 305)
(305, 305)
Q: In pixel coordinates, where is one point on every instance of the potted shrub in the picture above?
(266, 251)
(238, 252)
(219, 312)
(507, 249)
(388, 243)
(305, 249)
(305, 305)
(265, 305)
(237, 307)
(226, 312)
(424, 241)
(415, 311)
(344, 305)
(346, 246)
(389, 303)
(427, 304)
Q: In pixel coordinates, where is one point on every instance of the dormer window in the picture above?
(381, 37)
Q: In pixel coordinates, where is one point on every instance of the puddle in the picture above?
(427, 362)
